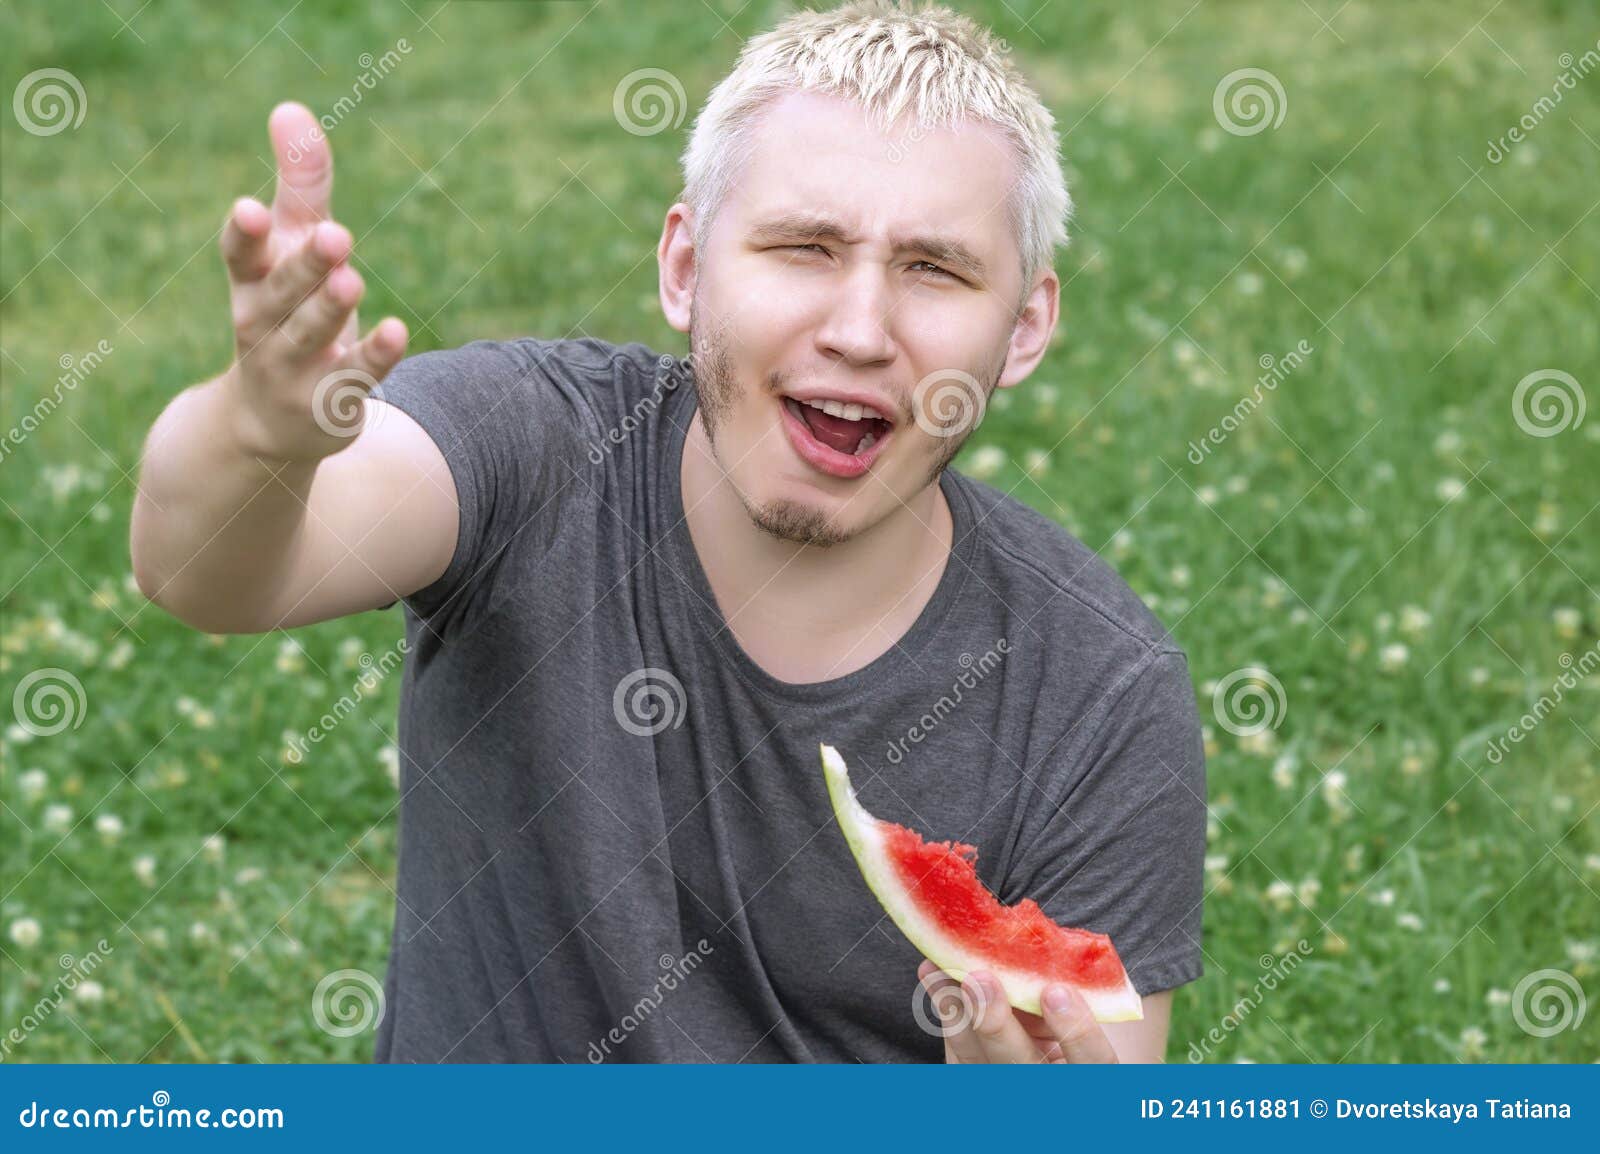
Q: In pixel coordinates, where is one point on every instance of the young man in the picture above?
(635, 608)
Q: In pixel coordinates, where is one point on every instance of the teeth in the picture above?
(866, 443)
(850, 412)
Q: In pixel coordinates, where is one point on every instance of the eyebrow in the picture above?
(811, 227)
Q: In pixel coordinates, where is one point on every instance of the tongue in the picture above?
(834, 432)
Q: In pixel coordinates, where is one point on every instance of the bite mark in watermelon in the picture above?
(931, 890)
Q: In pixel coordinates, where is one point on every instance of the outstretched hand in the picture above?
(294, 298)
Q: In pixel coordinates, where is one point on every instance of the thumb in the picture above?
(305, 166)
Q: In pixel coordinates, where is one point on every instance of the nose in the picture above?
(856, 329)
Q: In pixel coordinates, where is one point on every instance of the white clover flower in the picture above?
(1393, 657)
(1384, 897)
(389, 755)
(1248, 283)
(108, 826)
(144, 868)
(32, 782)
(1582, 951)
(58, 818)
(1442, 986)
(1207, 494)
(291, 657)
(1414, 620)
(213, 847)
(249, 875)
(1449, 489)
(1036, 462)
(1294, 261)
(1281, 894)
(1473, 1041)
(1478, 676)
(89, 992)
(1567, 621)
(1308, 890)
(1409, 921)
(1447, 442)
(986, 461)
(25, 932)
(1498, 997)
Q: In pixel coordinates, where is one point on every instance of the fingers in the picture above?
(305, 166)
(956, 1011)
(1078, 1037)
(294, 279)
(316, 321)
(244, 241)
(999, 1036)
(380, 351)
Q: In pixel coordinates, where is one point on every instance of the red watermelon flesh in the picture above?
(932, 891)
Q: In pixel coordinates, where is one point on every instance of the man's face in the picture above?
(849, 267)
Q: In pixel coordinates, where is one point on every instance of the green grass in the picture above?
(1358, 225)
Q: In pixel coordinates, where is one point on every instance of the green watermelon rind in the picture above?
(1022, 989)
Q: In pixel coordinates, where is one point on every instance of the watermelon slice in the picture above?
(933, 894)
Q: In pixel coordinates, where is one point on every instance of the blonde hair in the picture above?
(935, 64)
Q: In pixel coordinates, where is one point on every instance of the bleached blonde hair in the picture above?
(936, 65)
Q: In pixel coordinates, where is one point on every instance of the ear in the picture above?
(1030, 336)
(676, 257)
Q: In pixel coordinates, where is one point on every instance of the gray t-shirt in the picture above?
(615, 839)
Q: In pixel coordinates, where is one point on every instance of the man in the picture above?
(634, 608)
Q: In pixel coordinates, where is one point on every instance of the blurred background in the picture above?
(1319, 391)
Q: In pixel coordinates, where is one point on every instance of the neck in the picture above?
(876, 583)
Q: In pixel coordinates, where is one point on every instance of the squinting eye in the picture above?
(934, 268)
(806, 248)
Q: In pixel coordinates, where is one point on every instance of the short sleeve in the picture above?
(510, 432)
(1122, 851)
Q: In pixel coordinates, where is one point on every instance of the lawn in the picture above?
(1307, 396)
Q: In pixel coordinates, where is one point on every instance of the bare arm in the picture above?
(278, 494)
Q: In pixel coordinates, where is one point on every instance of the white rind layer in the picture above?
(1023, 989)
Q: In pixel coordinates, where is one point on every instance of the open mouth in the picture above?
(838, 439)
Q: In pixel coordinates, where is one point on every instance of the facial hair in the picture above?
(717, 389)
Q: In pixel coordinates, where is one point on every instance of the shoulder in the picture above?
(597, 380)
(1058, 582)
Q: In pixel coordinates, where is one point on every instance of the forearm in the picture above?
(215, 527)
